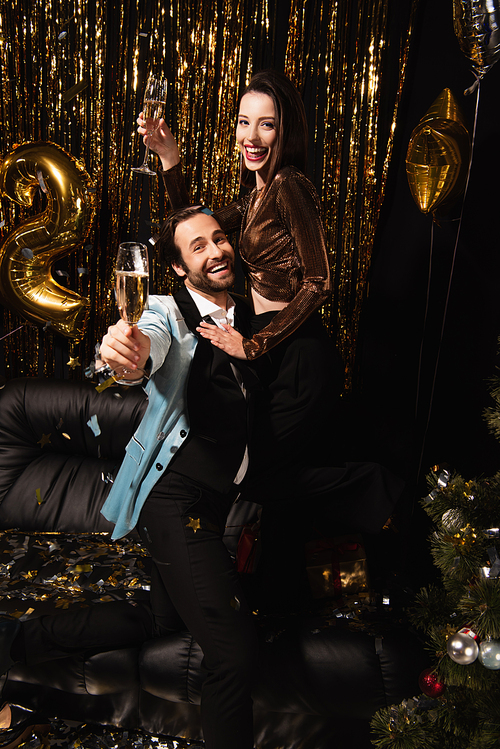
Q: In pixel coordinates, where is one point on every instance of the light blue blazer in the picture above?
(165, 424)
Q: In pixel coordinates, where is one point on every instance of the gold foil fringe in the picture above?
(74, 75)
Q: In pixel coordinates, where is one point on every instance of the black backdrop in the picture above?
(397, 355)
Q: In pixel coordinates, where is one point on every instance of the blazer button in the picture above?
(161, 436)
(183, 433)
(159, 467)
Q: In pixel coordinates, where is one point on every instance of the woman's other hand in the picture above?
(227, 338)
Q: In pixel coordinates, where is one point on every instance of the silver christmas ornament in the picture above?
(462, 648)
(489, 654)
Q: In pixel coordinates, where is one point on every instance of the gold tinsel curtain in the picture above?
(72, 73)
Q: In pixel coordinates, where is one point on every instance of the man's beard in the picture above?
(203, 282)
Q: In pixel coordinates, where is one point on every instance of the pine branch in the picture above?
(488, 712)
(481, 606)
(403, 727)
(431, 609)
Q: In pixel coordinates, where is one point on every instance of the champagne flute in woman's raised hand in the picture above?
(155, 99)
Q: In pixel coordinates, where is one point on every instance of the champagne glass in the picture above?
(155, 99)
(131, 289)
(132, 281)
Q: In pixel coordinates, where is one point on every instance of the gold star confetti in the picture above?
(73, 363)
(194, 523)
(44, 440)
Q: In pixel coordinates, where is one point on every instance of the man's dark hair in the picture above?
(290, 148)
(168, 246)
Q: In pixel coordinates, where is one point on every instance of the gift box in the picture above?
(337, 566)
(249, 548)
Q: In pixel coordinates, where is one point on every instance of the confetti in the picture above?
(41, 182)
(44, 440)
(74, 91)
(93, 423)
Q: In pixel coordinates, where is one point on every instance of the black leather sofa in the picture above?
(61, 443)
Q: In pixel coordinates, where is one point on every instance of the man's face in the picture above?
(207, 256)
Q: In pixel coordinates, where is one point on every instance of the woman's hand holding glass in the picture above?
(161, 141)
(155, 99)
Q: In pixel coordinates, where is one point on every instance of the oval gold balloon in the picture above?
(29, 251)
(438, 156)
(477, 26)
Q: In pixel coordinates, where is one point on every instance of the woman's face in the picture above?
(256, 133)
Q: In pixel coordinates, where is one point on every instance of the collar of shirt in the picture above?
(218, 314)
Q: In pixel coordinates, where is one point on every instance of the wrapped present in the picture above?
(337, 566)
(248, 554)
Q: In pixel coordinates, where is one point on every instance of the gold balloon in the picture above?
(438, 156)
(29, 251)
(476, 25)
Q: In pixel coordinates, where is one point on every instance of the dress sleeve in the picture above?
(175, 185)
(229, 217)
(297, 207)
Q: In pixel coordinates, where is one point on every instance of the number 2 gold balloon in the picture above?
(30, 250)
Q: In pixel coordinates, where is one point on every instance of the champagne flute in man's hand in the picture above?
(132, 281)
(155, 99)
(131, 289)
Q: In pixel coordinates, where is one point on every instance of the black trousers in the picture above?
(195, 581)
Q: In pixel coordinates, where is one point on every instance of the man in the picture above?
(180, 475)
(183, 466)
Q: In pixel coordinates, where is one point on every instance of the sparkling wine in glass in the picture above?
(131, 289)
(155, 99)
(132, 281)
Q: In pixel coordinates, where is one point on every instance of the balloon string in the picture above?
(12, 332)
(474, 86)
(452, 269)
(421, 353)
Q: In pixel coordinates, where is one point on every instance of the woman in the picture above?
(283, 251)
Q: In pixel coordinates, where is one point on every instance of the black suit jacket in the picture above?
(217, 409)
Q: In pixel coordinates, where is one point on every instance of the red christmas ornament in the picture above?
(429, 683)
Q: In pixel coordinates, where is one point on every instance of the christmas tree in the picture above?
(459, 618)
